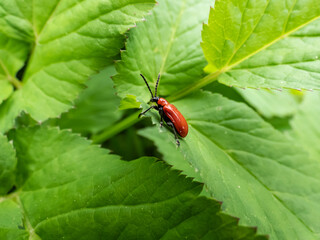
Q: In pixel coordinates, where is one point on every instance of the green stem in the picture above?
(16, 83)
(117, 128)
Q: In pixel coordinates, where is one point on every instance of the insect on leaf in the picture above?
(166, 43)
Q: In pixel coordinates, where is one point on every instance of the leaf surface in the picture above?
(169, 151)
(271, 103)
(7, 165)
(305, 125)
(13, 53)
(260, 175)
(96, 108)
(71, 41)
(167, 43)
(238, 32)
(68, 188)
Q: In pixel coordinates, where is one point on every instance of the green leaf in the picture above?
(130, 101)
(5, 89)
(305, 125)
(11, 221)
(238, 32)
(7, 165)
(260, 175)
(16, 18)
(268, 103)
(166, 43)
(96, 107)
(70, 189)
(271, 103)
(72, 40)
(13, 53)
(169, 151)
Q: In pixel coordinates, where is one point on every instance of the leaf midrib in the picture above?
(25, 220)
(10, 78)
(46, 23)
(214, 76)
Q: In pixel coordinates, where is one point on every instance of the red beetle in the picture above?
(169, 113)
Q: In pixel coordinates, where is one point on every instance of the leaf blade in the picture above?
(8, 163)
(248, 165)
(260, 59)
(167, 43)
(264, 14)
(107, 197)
(304, 125)
(72, 40)
(96, 107)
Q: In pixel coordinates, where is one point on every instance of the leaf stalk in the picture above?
(117, 128)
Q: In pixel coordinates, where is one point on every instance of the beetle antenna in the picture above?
(155, 91)
(147, 84)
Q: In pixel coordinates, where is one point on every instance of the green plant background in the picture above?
(77, 163)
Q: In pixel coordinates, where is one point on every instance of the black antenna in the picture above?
(147, 84)
(155, 91)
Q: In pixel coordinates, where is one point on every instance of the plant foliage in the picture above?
(71, 68)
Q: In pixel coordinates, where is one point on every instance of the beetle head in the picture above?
(154, 99)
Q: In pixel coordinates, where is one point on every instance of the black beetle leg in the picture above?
(155, 107)
(175, 132)
(161, 116)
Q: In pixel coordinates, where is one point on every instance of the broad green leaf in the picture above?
(71, 41)
(7, 165)
(260, 176)
(70, 189)
(16, 18)
(166, 43)
(305, 125)
(270, 103)
(13, 53)
(5, 89)
(96, 107)
(226, 91)
(129, 101)
(169, 151)
(11, 221)
(239, 31)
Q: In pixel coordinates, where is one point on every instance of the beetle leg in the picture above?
(161, 116)
(175, 132)
(161, 120)
(155, 107)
